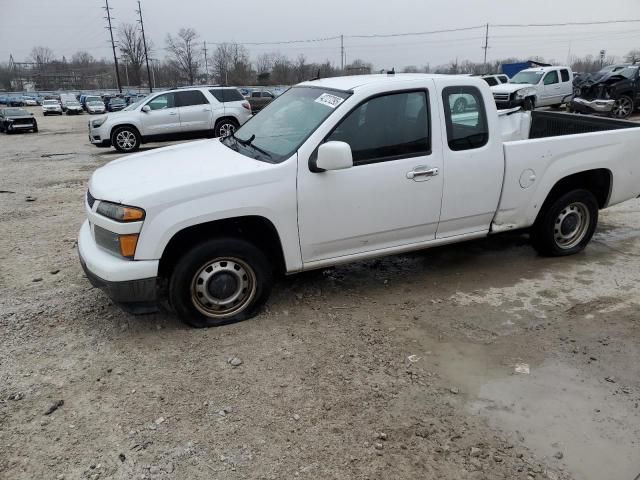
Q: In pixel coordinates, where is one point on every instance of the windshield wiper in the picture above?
(247, 143)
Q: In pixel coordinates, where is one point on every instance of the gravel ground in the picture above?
(474, 361)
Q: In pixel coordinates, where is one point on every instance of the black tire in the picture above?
(623, 108)
(565, 224)
(225, 127)
(528, 104)
(35, 127)
(556, 106)
(125, 139)
(242, 268)
(460, 105)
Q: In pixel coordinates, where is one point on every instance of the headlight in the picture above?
(525, 92)
(120, 213)
(97, 122)
(123, 245)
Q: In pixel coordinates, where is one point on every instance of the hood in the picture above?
(510, 87)
(193, 169)
(17, 117)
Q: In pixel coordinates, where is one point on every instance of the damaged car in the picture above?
(615, 92)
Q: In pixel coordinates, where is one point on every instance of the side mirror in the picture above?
(332, 156)
(146, 108)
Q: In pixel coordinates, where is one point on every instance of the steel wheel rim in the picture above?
(571, 225)
(622, 107)
(203, 295)
(126, 139)
(227, 129)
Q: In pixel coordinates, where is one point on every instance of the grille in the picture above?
(501, 96)
(90, 199)
(23, 121)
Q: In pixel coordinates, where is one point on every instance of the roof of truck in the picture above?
(353, 81)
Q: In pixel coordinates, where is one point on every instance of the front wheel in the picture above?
(565, 226)
(220, 281)
(225, 127)
(125, 139)
(528, 104)
(623, 107)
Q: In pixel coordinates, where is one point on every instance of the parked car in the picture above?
(74, 107)
(84, 99)
(328, 174)
(65, 98)
(16, 102)
(30, 102)
(258, 99)
(617, 93)
(116, 104)
(51, 107)
(4, 99)
(17, 120)
(193, 112)
(94, 106)
(536, 87)
(495, 79)
(586, 80)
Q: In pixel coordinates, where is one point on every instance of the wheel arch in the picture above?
(598, 181)
(127, 124)
(249, 228)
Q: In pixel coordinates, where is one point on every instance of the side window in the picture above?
(564, 74)
(387, 128)
(491, 81)
(191, 97)
(551, 78)
(503, 78)
(217, 94)
(465, 117)
(166, 100)
(232, 95)
(255, 94)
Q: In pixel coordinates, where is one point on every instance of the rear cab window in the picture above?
(564, 74)
(465, 118)
(491, 81)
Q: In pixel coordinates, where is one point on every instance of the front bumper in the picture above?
(506, 104)
(132, 284)
(592, 106)
(12, 127)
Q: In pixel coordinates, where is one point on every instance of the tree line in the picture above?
(185, 60)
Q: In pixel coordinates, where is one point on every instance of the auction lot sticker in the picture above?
(329, 100)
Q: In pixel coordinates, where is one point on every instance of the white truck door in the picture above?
(473, 160)
(163, 117)
(194, 109)
(392, 194)
(551, 89)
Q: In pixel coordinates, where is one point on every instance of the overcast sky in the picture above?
(67, 26)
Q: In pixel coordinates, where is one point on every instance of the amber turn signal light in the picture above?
(128, 245)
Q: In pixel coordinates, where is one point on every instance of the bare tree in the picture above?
(301, 68)
(264, 63)
(185, 55)
(633, 56)
(231, 64)
(41, 55)
(82, 58)
(132, 50)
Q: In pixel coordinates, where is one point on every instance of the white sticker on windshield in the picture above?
(329, 100)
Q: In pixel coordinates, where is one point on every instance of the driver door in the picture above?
(163, 118)
(392, 194)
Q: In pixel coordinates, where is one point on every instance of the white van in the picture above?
(536, 87)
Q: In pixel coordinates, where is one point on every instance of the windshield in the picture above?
(11, 112)
(280, 128)
(133, 106)
(92, 99)
(95, 103)
(73, 104)
(117, 101)
(50, 102)
(527, 77)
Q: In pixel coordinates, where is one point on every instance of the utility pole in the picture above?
(206, 62)
(144, 42)
(113, 45)
(486, 47)
(342, 52)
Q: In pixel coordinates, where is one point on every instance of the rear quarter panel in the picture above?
(549, 160)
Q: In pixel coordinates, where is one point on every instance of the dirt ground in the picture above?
(475, 361)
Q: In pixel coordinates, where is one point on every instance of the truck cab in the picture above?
(536, 87)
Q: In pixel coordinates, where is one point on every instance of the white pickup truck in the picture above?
(344, 169)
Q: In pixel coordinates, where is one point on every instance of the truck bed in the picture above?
(542, 147)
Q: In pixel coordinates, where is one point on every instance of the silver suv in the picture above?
(189, 112)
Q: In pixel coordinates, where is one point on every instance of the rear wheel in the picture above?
(565, 225)
(225, 127)
(125, 139)
(220, 281)
(623, 108)
(460, 105)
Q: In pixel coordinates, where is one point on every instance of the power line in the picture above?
(409, 34)
(566, 24)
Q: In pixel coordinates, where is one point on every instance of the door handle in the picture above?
(205, 109)
(172, 113)
(422, 173)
